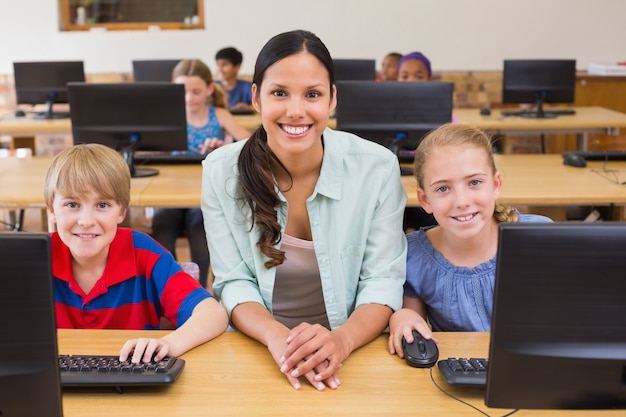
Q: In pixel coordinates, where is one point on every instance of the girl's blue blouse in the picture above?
(457, 298)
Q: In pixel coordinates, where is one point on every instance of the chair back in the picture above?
(192, 269)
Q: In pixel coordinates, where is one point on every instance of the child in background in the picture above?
(451, 267)
(389, 70)
(414, 67)
(208, 125)
(107, 277)
(239, 92)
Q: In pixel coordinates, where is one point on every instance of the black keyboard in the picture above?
(464, 371)
(407, 171)
(236, 112)
(98, 370)
(406, 156)
(164, 158)
(600, 155)
(522, 113)
(47, 115)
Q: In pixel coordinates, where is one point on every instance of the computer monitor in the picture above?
(129, 117)
(156, 70)
(395, 115)
(29, 367)
(355, 69)
(46, 83)
(558, 330)
(538, 81)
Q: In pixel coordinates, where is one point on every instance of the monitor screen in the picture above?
(46, 83)
(538, 81)
(130, 116)
(154, 70)
(395, 115)
(29, 367)
(558, 330)
(355, 69)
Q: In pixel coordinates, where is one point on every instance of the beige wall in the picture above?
(457, 35)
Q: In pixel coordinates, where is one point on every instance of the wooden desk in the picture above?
(236, 376)
(175, 186)
(586, 120)
(21, 182)
(543, 180)
(530, 179)
(28, 126)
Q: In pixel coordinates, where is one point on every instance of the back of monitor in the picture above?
(29, 378)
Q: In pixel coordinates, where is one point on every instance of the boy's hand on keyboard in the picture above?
(402, 324)
(144, 350)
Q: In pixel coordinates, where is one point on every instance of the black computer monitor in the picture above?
(155, 70)
(29, 367)
(395, 115)
(558, 330)
(130, 116)
(46, 83)
(538, 81)
(355, 69)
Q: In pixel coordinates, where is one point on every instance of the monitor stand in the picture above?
(50, 114)
(396, 145)
(128, 153)
(539, 113)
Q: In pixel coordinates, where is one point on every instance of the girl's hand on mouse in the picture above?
(144, 350)
(401, 324)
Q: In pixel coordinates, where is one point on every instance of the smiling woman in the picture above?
(78, 15)
(304, 223)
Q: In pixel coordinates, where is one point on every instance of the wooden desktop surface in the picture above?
(234, 375)
(29, 126)
(543, 180)
(529, 179)
(21, 182)
(586, 119)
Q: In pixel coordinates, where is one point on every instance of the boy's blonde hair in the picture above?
(457, 134)
(84, 168)
(197, 68)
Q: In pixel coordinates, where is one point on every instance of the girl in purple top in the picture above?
(451, 266)
(414, 67)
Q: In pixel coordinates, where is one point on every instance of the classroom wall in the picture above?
(455, 34)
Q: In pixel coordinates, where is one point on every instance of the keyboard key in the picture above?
(530, 113)
(167, 158)
(464, 371)
(77, 370)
